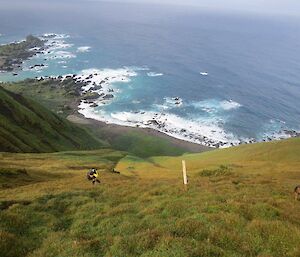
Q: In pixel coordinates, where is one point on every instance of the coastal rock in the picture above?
(94, 105)
(292, 133)
(17, 52)
(97, 87)
(91, 96)
(108, 96)
(153, 122)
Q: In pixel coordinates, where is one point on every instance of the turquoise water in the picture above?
(237, 76)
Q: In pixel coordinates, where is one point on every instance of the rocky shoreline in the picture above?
(93, 88)
(14, 54)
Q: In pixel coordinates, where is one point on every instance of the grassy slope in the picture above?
(61, 97)
(144, 145)
(26, 126)
(272, 157)
(57, 96)
(247, 210)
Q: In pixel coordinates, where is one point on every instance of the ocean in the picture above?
(198, 75)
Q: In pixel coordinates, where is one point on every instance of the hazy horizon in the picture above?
(268, 7)
(288, 7)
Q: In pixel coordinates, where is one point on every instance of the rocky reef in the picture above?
(14, 54)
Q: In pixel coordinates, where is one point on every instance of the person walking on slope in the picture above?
(93, 175)
(297, 192)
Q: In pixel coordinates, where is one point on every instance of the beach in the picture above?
(115, 130)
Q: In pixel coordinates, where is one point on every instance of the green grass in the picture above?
(241, 205)
(14, 177)
(144, 145)
(220, 171)
(57, 96)
(270, 157)
(26, 126)
(138, 143)
(61, 97)
(16, 49)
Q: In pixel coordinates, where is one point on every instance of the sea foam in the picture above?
(106, 77)
(215, 105)
(207, 131)
(229, 105)
(154, 74)
(83, 49)
(201, 132)
(57, 46)
(62, 55)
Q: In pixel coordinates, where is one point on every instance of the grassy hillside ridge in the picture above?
(58, 96)
(26, 126)
(283, 150)
(243, 208)
(62, 97)
(271, 156)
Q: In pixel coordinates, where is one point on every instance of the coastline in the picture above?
(115, 129)
(98, 90)
(13, 55)
(88, 92)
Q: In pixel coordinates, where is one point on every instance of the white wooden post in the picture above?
(185, 180)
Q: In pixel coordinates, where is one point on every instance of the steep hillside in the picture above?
(239, 202)
(254, 158)
(63, 96)
(26, 126)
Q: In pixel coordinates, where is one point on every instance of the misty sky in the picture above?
(270, 7)
(289, 7)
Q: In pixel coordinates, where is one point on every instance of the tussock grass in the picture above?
(221, 171)
(145, 211)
